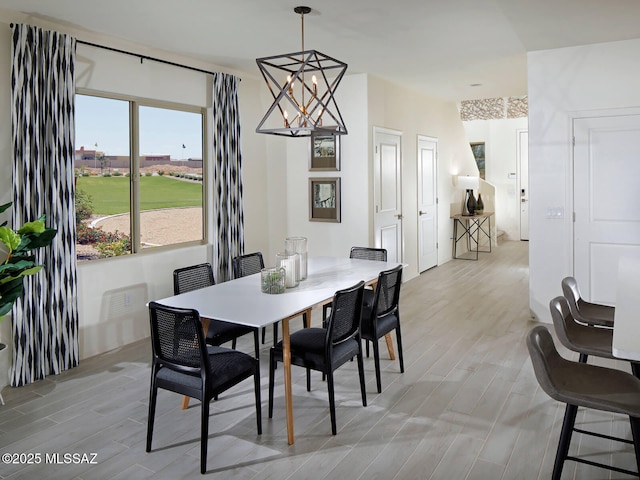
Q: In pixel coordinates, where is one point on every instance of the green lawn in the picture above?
(111, 194)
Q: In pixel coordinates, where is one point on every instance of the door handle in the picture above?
(399, 216)
(421, 212)
(524, 200)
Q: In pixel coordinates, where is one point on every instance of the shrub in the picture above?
(109, 244)
(106, 174)
(115, 249)
(148, 174)
(91, 236)
(117, 174)
(84, 205)
(161, 172)
(127, 174)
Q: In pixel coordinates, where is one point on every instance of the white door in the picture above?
(607, 217)
(427, 203)
(387, 191)
(523, 182)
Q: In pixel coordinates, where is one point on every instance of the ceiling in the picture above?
(438, 47)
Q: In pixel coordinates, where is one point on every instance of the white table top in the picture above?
(626, 324)
(241, 301)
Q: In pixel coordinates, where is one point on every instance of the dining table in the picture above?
(626, 320)
(242, 302)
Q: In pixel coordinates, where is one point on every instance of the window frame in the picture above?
(134, 159)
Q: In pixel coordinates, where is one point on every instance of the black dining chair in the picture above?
(183, 363)
(383, 316)
(326, 349)
(250, 264)
(582, 385)
(369, 253)
(200, 276)
(363, 253)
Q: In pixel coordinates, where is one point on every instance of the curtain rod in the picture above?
(143, 57)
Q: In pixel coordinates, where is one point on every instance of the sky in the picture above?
(105, 122)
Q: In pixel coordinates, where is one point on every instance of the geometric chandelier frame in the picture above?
(302, 85)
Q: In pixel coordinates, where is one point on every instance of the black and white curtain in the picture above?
(45, 319)
(228, 239)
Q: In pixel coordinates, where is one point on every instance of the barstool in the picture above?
(583, 385)
(583, 311)
(584, 339)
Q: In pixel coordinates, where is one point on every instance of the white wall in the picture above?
(563, 82)
(501, 146)
(397, 108)
(326, 238)
(365, 102)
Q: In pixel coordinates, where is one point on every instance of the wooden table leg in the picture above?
(392, 354)
(288, 391)
(205, 328)
(286, 360)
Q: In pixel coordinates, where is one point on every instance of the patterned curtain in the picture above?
(45, 320)
(227, 176)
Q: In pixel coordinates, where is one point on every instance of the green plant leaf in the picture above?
(5, 308)
(20, 262)
(10, 238)
(11, 271)
(36, 240)
(32, 227)
(9, 292)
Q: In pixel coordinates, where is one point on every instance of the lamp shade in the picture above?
(468, 182)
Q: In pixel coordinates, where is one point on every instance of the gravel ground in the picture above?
(160, 227)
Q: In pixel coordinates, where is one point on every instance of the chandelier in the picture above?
(302, 85)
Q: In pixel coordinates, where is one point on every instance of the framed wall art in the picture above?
(324, 199)
(325, 153)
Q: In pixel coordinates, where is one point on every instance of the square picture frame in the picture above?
(324, 200)
(325, 153)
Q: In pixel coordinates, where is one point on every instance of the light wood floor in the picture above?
(467, 406)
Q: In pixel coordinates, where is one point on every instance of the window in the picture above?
(127, 202)
(478, 153)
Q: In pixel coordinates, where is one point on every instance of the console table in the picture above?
(471, 227)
